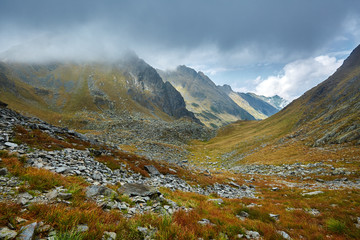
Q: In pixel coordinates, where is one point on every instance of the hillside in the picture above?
(56, 183)
(58, 91)
(124, 103)
(327, 114)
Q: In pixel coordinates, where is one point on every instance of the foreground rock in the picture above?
(27, 232)
(6, 233)
(135, 189)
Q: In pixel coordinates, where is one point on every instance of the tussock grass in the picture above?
(69, 235)
(8, 212)
(335, 226)
(40, 179)
(41, 140)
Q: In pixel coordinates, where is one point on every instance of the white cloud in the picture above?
(298, 77)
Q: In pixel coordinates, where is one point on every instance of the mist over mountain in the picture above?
(126, 85)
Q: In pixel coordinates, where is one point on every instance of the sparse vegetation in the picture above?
(309, 205)
(335, 226)
(41, 140)
(69, 235)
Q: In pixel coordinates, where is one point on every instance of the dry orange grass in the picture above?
(41, 140)
(342, 205)
(40, 179)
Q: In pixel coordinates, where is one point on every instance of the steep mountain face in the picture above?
(334, 105)
(209, 103)
(257, 106)
(145, 79)
(304, 130)
(128, 86)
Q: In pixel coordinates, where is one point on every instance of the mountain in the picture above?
(258, 106)
(334, 105)
(276, 101)
(62, 91)
(304, 130)
(211, 105)
(215, 105)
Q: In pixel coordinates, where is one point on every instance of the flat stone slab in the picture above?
(10, 144)
(136, 189)
(312, 193)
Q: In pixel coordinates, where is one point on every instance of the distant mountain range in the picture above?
(77, 93)
(216, 106)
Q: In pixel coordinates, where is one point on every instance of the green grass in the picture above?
(335, 226)
(69, 235)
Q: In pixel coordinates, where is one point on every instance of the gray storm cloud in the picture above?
(209, 34)
(286, 27)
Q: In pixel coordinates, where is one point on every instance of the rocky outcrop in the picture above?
(147, 88)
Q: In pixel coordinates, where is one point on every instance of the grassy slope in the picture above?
(332, 108)
(243, 137)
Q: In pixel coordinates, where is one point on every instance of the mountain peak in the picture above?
(226, 88)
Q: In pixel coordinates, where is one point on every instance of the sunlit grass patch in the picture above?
(69, 235)
(335, 226)
(40, 179)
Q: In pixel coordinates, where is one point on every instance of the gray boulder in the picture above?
(95, 190)
(252, 235)
(3, 171)
(136, 189)
(10, 144)
(65, 196)
(109, 236)
(52, 194)
(27, 232)
(6, 233)
(61, 170)
(284, 235)
(24, 198)
(152, 170)
(82, 228)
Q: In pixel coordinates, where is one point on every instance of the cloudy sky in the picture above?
(282, 47)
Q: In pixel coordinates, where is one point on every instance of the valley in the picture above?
(124, 151)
